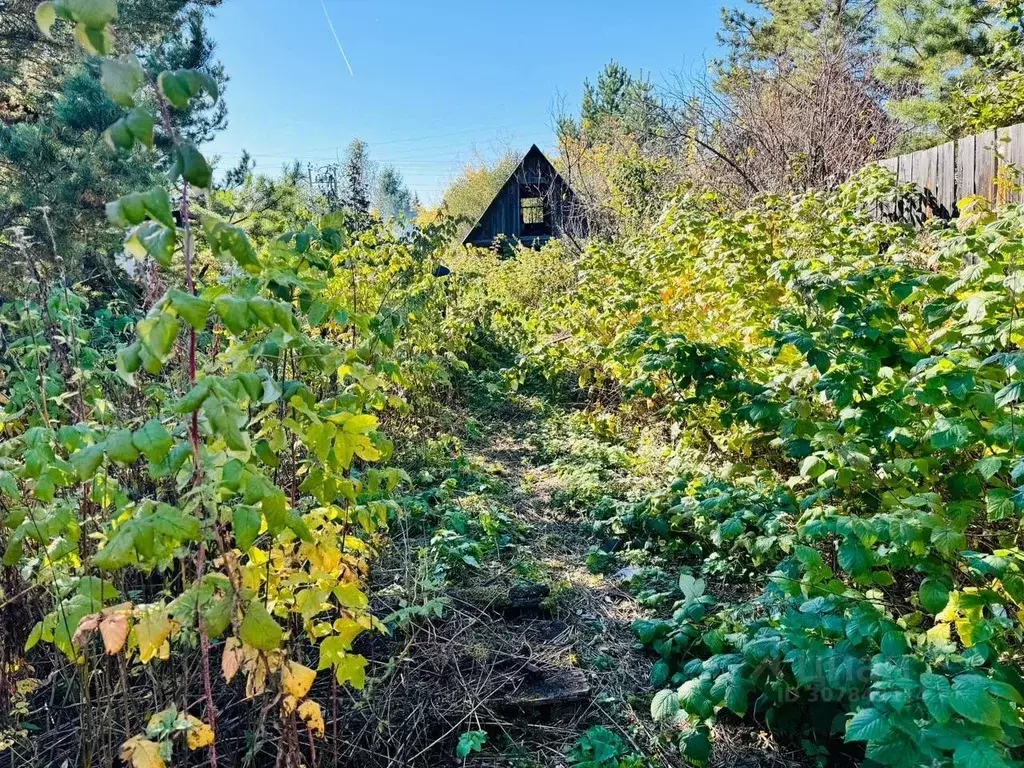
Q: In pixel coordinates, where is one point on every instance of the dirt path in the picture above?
(591, 615)
(518, 647)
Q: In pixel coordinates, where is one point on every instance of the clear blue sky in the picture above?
(435, 83)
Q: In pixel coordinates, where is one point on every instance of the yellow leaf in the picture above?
(351, 669)
(297, 679)
(347, 630)
(256, 682)
(350, 596)
(288, 704)
(313, 717)
(114, 630)
(151, 633)
(200, 734)
(140, 752)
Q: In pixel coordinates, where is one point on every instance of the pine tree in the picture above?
(357, 179)
(935, 52)
(52, 114)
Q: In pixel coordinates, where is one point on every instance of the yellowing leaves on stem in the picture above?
(311, 714)
(297, 679)
(259, 628)
(152, 630)
(199, 734)
(140, 752)
(351, 669)
(350, 596)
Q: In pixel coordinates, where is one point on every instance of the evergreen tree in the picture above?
(938, 52)
(52, 158)
(357, 179)
(394, 200)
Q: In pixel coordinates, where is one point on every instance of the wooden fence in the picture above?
(958, 169)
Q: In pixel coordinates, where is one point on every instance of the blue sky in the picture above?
(436, 84)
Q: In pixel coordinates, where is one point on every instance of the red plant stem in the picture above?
(204, 638)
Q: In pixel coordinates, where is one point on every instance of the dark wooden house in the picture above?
(534, 205)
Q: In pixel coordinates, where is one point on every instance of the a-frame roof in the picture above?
(533, 153)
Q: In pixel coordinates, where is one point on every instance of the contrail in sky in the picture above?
(331, 25)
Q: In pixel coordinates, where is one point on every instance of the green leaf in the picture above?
(194, 399)
(696, 747)
(245, 524)
(140, 123)
(120, 78)
(97, 41)
(978, 753)
(934, 595)
(812, 466)
(136, 207)
(470, 741)
(235, 314)
(173, 523)
(988, 466)
(970, 697)
(151, 238)
(128, 362)
(181, 85)
(949, 435)
(868, 725)
(158, 333)
(153, 440)
(193, 309)
(259, 628)
(935, 694)
(948, 541)
(854, 557)
(664, 705)
(660, 673)
(224, 417)
(228, 241)
(274, 506)
(119, 550)
(1010, 394)
(137, 125)
(91, 13)
(999, 504)
(190, 165)
(36, 634)
(86, 461)
(120, 447)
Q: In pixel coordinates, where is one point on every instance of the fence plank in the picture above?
(1013, 153)
(945, 183)
(965, 176)
(986, 165)
(903, 173)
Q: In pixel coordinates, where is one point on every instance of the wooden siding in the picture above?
(503, 215)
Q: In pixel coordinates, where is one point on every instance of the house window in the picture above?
(534, 214)
(533, 210)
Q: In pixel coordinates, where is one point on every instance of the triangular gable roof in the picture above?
(533, 150)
